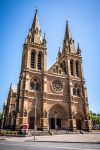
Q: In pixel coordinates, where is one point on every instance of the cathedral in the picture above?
(55, 98)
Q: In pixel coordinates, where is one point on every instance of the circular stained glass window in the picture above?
(57, 85)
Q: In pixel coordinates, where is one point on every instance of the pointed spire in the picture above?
(67, 38)
(68, 44)
(34, 35)
(67, 32)
(36, 24)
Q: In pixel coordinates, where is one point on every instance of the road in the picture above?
(6, 145)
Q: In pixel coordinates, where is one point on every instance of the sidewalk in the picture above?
(70, 138)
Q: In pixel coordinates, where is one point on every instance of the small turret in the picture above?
(59, 53)
(78, 49)
(44, 42)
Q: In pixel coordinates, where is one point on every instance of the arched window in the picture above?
(39, 61)
(35, 84)
(33, 60)
(71, 67)
(76, 90)
(77, 68)
(32, 85)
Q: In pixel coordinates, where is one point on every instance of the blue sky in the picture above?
(16, 18)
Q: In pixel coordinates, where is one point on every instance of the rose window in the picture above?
(57, 86)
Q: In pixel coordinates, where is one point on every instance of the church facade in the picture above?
(57, 96)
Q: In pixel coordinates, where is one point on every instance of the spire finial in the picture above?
(67, 21)
(36, 11)
(78, 46)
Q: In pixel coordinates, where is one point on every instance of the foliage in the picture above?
(8, 132)
(95, 118)
(1, 114)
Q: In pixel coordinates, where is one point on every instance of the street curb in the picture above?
(98, 142)
(2, 139)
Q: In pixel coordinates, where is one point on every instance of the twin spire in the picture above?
(68, 43)
(68, 35)
(34, 35)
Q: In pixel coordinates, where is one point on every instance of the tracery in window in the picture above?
(35, 84)
(76, 90)
(57, 85)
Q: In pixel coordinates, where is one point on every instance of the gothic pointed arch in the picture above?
(57, 110)
(31, 117)
(58, 118)
(35, 84)
(76, 90)
(79, 120)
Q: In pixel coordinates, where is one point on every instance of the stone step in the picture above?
(38, 133)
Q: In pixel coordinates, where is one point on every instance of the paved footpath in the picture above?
(74, 138)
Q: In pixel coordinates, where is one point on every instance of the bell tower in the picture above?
(70, 60)
(31, 81)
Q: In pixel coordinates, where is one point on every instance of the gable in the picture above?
(56, 70)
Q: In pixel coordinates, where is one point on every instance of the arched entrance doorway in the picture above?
(79, 120)
(57, 117)
(31, 119)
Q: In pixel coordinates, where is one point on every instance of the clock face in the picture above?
(57, 86)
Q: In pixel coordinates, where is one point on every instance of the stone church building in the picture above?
(59, 94)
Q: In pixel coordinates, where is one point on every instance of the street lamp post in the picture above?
(35, 114)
